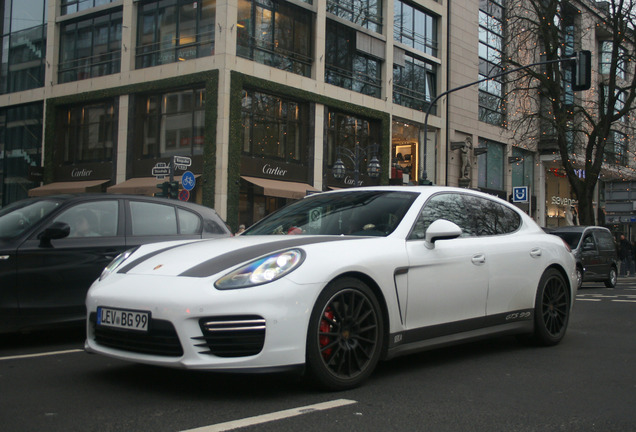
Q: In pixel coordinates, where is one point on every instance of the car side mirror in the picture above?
(441, 229)
(56, 230)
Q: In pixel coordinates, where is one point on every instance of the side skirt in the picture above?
(427, 338)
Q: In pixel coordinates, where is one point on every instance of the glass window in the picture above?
(606, 59)
(90, 47)
(415, 27)
(365, 13)
(174, 30)
(491, 165)
(170, 124)
(20, 216)
(476, 216)
(276, 34)
(415, 83)
(87, 133)
(274, 127)
(491, 103)
(189, 223)
(72, 6)
(366, 213)
(605, 241)
(348, 133)
(20, 150)
(522, 168)
(23, 50)
(346, 66)
(152, 219)
(94, 219)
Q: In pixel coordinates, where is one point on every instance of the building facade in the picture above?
(265, 97)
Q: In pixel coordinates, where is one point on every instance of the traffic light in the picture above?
(165, 190)
(168, 189)
(173, 189)
(582, 71)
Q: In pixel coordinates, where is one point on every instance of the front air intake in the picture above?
(232, 336)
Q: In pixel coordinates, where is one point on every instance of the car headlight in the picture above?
(262, 270)
(114, 264)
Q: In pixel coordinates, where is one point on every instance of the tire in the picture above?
(345, 336)
(579, 277)
(552, 309)
(612, 278)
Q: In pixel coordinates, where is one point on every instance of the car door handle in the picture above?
(478, 259)
(535, 253)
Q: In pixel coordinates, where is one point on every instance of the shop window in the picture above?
(358, 136)
(170, 124)
(274, 127)
(87, 132)
(275, 34)
(169, 31)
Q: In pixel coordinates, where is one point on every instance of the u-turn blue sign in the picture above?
(520, 194)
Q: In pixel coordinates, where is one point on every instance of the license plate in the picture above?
(123, 318)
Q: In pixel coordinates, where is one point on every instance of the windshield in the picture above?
(359, 213)
(18, 217)
(571, 238)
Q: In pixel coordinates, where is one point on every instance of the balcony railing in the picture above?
(159, 53)
(270, 54)
(356, 81)
(90, 67)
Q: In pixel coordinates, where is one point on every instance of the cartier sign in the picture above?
(274, 170)
(81, 172)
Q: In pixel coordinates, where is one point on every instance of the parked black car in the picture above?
(595, 251)
(53, 248)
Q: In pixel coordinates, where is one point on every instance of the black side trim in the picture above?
(232, 258)
(448, 333)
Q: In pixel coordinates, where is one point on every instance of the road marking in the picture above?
(41, 354)
(624, 301)
(588, 299)
(251, 421)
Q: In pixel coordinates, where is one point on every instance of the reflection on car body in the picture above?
(335, 282)
(53, 248)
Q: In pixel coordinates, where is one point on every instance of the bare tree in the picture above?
(587, 129)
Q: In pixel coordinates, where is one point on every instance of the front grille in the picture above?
(232, 336)
(161, 338)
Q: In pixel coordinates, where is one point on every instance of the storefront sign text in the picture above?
(563, 201)
(83, 172)
(275, 171)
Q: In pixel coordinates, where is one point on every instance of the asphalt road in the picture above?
(587, 383)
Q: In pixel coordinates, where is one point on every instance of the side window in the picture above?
(152, 219)
(588, 242)
(605, 241)
(447, 206)
(189, 223)
(490, 217)
(92, 219)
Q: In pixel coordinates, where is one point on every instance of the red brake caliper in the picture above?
(325, 327)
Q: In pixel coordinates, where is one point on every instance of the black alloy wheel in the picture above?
(612, 278)
(552, 308)
(345, 335)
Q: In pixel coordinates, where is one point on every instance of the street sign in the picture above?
(188, 181)
(520, 194)
(160, 170)
(184, 195)
(182, 160)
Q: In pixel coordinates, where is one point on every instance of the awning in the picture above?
(141, 185)
(281, 189)
(56, 188)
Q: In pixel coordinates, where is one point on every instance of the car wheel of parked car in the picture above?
(579, 277)
(552, 308)
(345, 335)
(612, 278)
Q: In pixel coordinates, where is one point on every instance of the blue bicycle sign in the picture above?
(188, 181)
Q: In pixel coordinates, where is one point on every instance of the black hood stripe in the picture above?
(235, 257)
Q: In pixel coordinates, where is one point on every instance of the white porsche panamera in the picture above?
(335, 282)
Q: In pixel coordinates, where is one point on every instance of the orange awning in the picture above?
(281, 189)
(57, 188)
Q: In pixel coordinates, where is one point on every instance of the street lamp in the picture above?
(356, 156)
